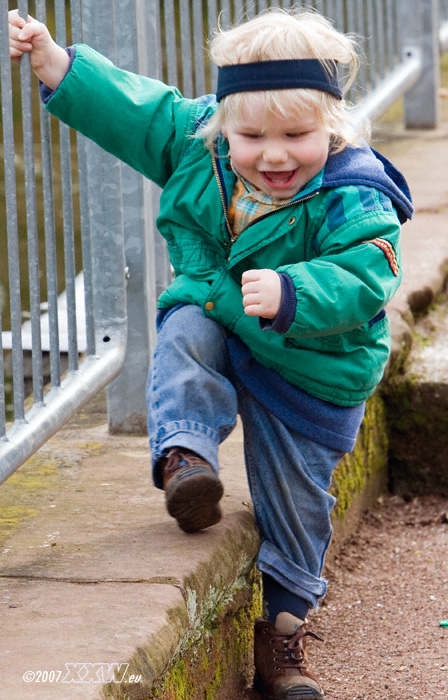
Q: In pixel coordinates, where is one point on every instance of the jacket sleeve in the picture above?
(140, 120)
(355, 273)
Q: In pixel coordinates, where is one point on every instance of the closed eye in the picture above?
(297, 135)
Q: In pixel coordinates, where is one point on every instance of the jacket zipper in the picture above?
(223, 201)
(258, 218)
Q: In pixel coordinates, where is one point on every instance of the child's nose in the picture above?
(275, 153)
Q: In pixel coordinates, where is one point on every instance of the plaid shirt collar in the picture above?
(249, 203)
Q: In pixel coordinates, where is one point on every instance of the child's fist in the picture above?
(48, 60)
(25, 36)
(262, 293)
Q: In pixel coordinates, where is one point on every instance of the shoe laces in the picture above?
(290, 650)
(177, 459)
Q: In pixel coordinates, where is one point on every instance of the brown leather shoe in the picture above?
(192, 490)
(282, 668)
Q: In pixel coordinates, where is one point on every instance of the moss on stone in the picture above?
(369, 456)
(22, 495)
(35, 484)
(213, 663)
(220, 654)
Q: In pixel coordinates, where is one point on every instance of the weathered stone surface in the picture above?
(417, 404)
(94, 571)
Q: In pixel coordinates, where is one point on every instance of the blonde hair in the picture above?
(275, 35)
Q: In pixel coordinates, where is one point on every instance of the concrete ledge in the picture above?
(97, 573)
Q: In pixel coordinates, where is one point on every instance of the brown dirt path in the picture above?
(388, 593)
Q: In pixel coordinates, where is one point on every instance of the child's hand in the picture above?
(48, 60)
(262, 293)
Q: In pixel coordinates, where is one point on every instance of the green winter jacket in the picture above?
(339, 243)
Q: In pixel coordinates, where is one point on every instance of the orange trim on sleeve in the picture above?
(388, 251)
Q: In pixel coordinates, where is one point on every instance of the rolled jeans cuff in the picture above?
(292, 577)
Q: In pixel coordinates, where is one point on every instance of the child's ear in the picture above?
(224, 130)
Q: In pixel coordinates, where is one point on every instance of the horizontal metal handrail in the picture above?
(443, 37)
(394, 85)
(43, 420)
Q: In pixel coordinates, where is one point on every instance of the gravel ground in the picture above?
(388, 594)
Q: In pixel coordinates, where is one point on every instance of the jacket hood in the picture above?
(365, 166)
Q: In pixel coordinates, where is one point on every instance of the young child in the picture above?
(283, 229)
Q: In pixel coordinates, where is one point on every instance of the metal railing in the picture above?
(100, 234)
(68, 205)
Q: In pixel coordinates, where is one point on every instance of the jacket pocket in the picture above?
(371, 336)
(192, 257)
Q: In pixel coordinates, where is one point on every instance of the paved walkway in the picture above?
(91, 562)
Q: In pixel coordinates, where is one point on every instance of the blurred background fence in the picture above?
(81, 262)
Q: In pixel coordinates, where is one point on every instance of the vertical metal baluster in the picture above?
(50, 237)
(81, 148)
(350, 10)
(31, 217)
(67, 206)
(380, 31)
(198, 49)
(370, 40)
(351, 29)
(212, 12)
(361, 31)
(154, 41)
(11, 219)
(390, 29)
(339, 15)
(250, 9)
(185, 44)
(225, 15)
(170, 39)
(2, 383)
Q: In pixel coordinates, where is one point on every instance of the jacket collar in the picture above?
(365, 166)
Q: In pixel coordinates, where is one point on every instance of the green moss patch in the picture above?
(355, 470)
(34, 486)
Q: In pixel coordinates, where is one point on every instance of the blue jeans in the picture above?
(193, 400)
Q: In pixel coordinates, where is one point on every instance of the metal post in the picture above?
(105, 194)
(137, 51)
(419, 21)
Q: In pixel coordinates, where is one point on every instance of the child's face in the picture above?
(278, 155)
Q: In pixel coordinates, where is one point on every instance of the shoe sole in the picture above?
(307, 693)
(192, 497)
(296, 693)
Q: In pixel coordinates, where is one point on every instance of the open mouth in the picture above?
(279, 179)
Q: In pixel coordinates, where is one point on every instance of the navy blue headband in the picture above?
(278, 75)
